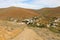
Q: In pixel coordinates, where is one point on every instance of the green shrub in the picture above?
(40, 26)
(35, 25)
(54, 30)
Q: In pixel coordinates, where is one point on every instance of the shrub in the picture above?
(54, 30)
(41, 25)
(37, 25)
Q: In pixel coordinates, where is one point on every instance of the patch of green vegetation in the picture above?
(54, 30)
(39, 26)
(44, 26)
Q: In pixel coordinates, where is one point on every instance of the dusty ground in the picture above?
(21, 32)
(9, 30)
(47, 34)
(28, 34)
(15, 31)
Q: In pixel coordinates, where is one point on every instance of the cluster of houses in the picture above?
(54, 23)
(33, 20)
(30, 21)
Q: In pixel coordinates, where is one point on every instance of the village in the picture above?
(53, 23)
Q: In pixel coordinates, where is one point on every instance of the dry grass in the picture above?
(7, 34)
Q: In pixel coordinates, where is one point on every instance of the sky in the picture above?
(30, 4)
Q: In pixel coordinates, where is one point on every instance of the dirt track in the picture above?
(28, 34)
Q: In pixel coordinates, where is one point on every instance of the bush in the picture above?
(37, 25)
(54, 30)
(40, 26)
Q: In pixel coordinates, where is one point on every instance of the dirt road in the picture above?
(28, 34)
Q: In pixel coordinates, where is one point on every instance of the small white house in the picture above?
(57, 20)
(11, 19)
(48, 25)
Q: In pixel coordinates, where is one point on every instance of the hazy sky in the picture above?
(31, 4)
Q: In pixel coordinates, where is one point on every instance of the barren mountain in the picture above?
(16, 12)
(22, 13)
(50, 12)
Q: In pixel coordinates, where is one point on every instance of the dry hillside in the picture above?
(55, 12)
(17, 13)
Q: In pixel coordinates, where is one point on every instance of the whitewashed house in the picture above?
(57, 20)
(48, 25)
(28, 21)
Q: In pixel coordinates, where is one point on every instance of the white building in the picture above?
(57, 20)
